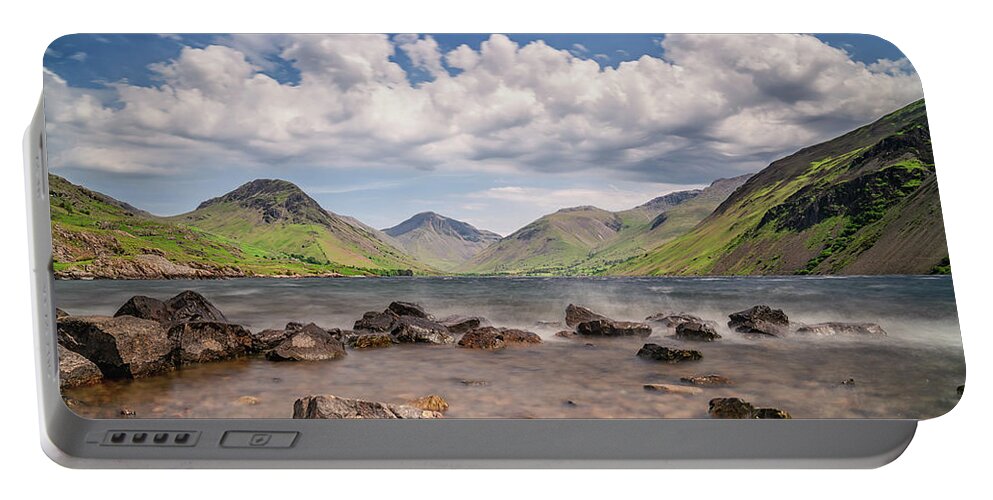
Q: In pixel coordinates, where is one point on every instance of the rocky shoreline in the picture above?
(147, 337)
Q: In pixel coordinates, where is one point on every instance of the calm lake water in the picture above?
(911, 373)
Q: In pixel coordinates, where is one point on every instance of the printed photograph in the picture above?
(496, 226)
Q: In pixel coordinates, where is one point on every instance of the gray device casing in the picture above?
(78, 442)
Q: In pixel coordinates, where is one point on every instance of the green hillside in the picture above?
(863, 203)
(588, 240)
(96, 236)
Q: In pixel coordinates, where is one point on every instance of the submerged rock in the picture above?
(566, 334)
(75, 370)
(672, 320)
(760, 319)
(574, 315)
(204, 341)
(611, 328)
(707, 380)
(667, 354)
(673, 389)
(371, 341)
(489, 337)
(836, 328)
(432, 402)
(329, 406)
(701, 332)
(121, 347)
(310, 343)
(738, 408)
(412, 329)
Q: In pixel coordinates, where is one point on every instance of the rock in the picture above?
(432, 402)
(700, 332)
(672, 320)
(268, 339)
(760, 319)
(412, 329)
(835, 328)
(75, 370)
(474, 383)
(121, 347)
(371, 341)
(566, 334)
(127, 412)
(408, 309)
(144, 307)
(293, 326)
(310, 343)
(204, 341)
(673, 389)
(574, 315)
(771, 413)
(849, 382)
(248, 400)
(668, 354)
(329, 406)
(489, 337)
(344, 336)
(373, 321)
(707, 380)
(191, 306)
(737, 408)
(610, 328)
(462, 324)
(59, 314)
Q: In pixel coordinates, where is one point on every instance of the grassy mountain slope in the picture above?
(96, 236)
(277, 216)
(588, 240)
(440, 241)
(850, 205)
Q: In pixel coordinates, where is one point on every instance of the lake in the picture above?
(913, 372)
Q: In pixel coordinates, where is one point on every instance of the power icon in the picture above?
(260, 439)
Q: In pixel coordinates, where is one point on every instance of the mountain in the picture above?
(278, 217)
(440, 241)
(96, 236)
(588, 240)
(863, 203)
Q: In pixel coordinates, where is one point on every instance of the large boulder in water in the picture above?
(191, 306)
(574, 315)
(144, 307)
(760, 319)
(204, 341)
(75, 370)
(489, 337)
(183, 307)
(700, 332)
(412, 329)
(462, 324)
(672, 320)
(122, 347)
(329, 406)
(268, 339)
(309, 343)
(835, 328)
(374, 321)
(738, 408)
(656, 352)
(408, 309)
(611, 328)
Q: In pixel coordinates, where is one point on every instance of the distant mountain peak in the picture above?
(276, 200)
(439, 240)
(442, 225)
(667, 201)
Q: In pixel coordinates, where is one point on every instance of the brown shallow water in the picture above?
(912, 373)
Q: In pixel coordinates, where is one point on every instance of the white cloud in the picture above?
(715, 106)
(79, 56)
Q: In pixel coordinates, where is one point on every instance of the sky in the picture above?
(495, 130)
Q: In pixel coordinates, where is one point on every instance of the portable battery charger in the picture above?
(467, 250)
